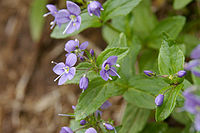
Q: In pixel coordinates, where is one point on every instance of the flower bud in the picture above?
(159, 100)
(92, 52)
(108, 126)
(73, 107)
(95, 8)
(66, 130)
(181, 73)
(83, 84)
(149, 73)
(91, 130)
(83, 122)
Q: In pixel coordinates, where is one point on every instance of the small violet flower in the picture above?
(181, 73)
(73, 17)
(92, 52)
(108, 126)
(82, 122)
(95, 8)
(192, 105)
(196, 53)
(83, 83)
(66, 71)
(73, 46)
(149, 73)
(104, 106)
(107, 68)
(59, 16)
(91, 130)
(159, 100)
(66, 130)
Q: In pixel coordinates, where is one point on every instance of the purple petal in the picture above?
(63, 79)
(112, 71)
(105, 105)
(83, 83)
(148, 73)
(62, 16)
(109, 126)
(97, 13)
(77, 24)
(66, 130)
(58, 68)
(71, 73)
(196, 53)
(52, 9)
(112, 60)
(70, 28)
(73, 107)
(98, 113)
(181, 73)
(191, 64)
(196, 73)
(71, 60)
(71, 45)
(73, 8)
(82, 122)
(159, 100)
(104, 74)
(91, 130)
(67, 54)
(197, 122)
(84, 45)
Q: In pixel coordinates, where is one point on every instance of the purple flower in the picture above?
(73, 107)
(159, 100)
(107, 68)
(83, 84)
(95, 8)
(108, 126)
(66, 130)
(73, 46)
(149, 73)
(91, 130)
(92, 52)
(192, 102)
(66, 71)
(196, 53)
(196, 73)
(83, 122)
(73, 17)
(106, 105)
(59, 16)
(98, 113)
(197, 122)
(181, 73)
(192, 64)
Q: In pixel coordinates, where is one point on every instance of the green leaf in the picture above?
(109, 34)
(120, 52)
(74, 125)
(81, 70)
(181, 117)
(114, 8)
(178, 4)
(38, 9)
(155, 128)
(144, 19)
(163, 111)
(172, 26)
(142, 91)
(134, 119)
(86, 22)
(118, 41)
(95, 95)
(170, 59)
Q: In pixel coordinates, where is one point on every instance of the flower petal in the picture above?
(104, 75)
(197, 122)
(71, 45)
(73, 8)
(112, 71)
(62, 16)
(84, 45)
(191, 64)
(112, 60)
(66, 130)
(71, 60)
(58, 68)
(52, 8)
(71, 73)
(70, 28)
(196, 53)
(63, 79)
(78, 23)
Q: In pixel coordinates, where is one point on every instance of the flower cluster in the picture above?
(71, 15)
(194, 64)
(92, 123)
(192, 105)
